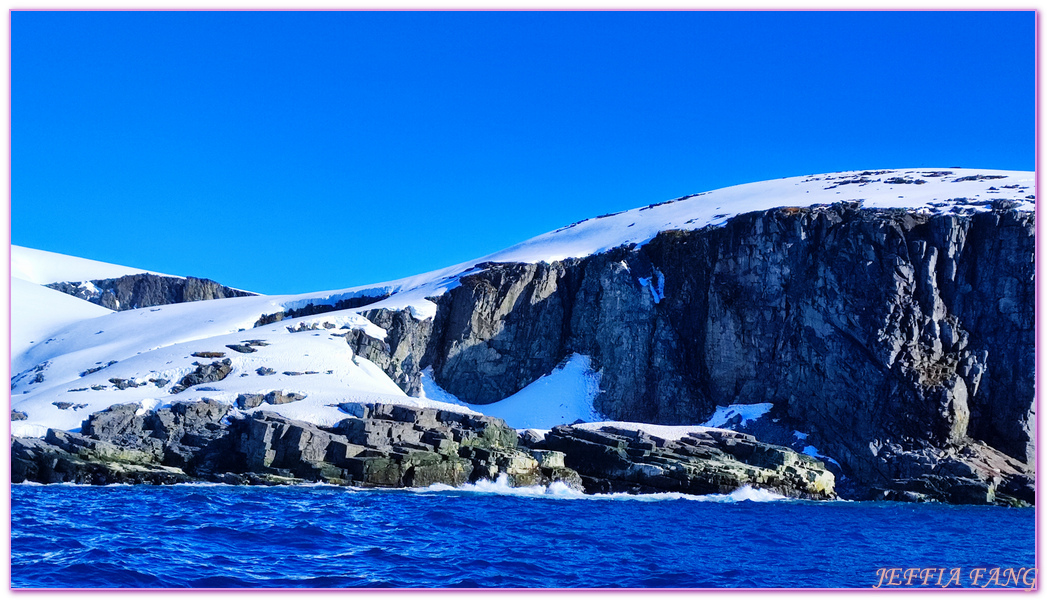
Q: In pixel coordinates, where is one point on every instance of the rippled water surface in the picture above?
(224, 536)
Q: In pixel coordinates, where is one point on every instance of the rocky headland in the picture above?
(898, 342)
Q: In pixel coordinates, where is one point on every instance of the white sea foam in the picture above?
(561, 491)
(501, 487)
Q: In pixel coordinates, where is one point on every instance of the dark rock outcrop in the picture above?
(37, 460)
(317, 309)
(188, 434)
(144, 289)
(973, 473)
(65, 406)
(241, 348)
(248, 401)
(380, 446)
(418, 447)
(215, 371)
(119, 445)
(123, 384)
(402, 354)
(97, 369)
(864, 328)
(31, 375)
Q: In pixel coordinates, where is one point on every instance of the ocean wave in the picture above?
(501, 487)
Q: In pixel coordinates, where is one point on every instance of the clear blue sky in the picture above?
(289, 152)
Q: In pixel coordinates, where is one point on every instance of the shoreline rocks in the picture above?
(385, 445)
(714, 461)
(394, 446)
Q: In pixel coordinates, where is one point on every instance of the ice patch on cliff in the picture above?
(742, 413)
(812, 451)
(656, 284)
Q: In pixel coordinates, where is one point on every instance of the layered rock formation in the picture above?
(382, 445)
(375, 446)
(145, 289)
(715, 461)
(900, 342)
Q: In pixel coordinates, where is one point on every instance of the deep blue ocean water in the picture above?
(320, 536)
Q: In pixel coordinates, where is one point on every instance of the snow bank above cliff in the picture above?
(927, 191)
(931, 191)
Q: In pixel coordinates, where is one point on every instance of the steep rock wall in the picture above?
(878, 332)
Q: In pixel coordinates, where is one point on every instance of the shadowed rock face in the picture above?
(144, 289)
(867, 329)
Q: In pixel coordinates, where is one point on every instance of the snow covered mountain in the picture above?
(71, 358)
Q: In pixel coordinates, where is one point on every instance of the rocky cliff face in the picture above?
(144, 289)
(895, 340)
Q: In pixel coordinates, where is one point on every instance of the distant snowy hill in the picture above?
(71, 358)
(42, 267)
(36, 311)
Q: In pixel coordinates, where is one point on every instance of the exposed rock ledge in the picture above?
(146, 289)
(381, 445)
